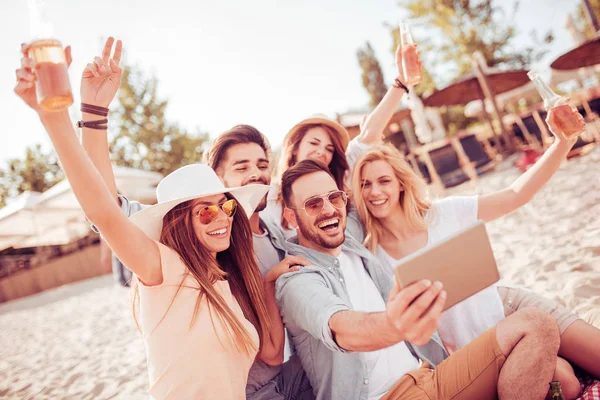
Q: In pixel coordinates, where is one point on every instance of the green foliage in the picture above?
(448, 32)
(372, 75)
(37, 172)
(458, 28)
(144, 139)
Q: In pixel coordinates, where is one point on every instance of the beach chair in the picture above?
(533, 128)
(477, 155)
(446, 163)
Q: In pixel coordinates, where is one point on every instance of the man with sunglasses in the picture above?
(240, 157)
(360, 337)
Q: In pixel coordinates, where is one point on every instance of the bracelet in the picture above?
(100, 124)
(398, 84)
(96, 110)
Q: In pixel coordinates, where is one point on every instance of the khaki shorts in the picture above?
(515, 299)
(470, 373)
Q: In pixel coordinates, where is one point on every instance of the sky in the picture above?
(267, 63)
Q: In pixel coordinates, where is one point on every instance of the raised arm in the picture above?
(411, 315)
(373, 126)
(130, 244)
(500, 203)
(99, 85)
(306, 302)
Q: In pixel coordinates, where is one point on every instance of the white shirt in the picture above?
(465, 321)
(385, 366)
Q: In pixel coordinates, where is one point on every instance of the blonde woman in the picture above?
(199, 293)
(327, 141)
(399, 219)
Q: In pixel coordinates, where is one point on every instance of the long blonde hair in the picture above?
(413, 199)
(235, 264)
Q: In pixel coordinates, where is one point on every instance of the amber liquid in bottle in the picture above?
(410, 58)
(566, 116)
(52, 84)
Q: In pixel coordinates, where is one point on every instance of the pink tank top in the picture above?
(201, 361)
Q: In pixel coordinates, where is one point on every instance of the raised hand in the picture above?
(101, 79)
(25, 87)
(288, 264)
(568, 113)
(400, 52)
(415, 311)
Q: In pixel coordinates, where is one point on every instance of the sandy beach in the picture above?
(80, 342)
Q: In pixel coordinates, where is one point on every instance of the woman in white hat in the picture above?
(327, 141)
(199, 294)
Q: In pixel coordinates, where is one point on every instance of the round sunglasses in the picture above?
(207, 214)
(314, 205)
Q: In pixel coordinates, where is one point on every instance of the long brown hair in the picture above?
(413, 199)
(236, 264)
(338, 165)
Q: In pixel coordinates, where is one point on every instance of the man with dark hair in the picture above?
(360, 337)
(242, 156)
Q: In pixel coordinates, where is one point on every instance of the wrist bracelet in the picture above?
(96, 110)
(100, 124)
(398, 84)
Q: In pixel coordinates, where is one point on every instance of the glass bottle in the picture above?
(410, 58)
(53, 87)
(567, 116)
(556, 391)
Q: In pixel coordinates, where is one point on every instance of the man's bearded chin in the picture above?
(262, 205)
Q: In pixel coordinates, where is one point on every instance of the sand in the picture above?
(80, 342)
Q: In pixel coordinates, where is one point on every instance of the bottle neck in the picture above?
(550, 98)
(406, 38)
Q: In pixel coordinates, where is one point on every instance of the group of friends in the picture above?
(250, 287)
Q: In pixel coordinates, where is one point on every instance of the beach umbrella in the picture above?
(483, 83)
(584, 55)
(467, 88)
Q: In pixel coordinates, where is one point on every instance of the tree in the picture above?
(37, 172)
(144, 139)
(455, 29)
(372, 75)
(465, 26)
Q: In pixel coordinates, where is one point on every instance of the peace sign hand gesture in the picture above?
(101, 79)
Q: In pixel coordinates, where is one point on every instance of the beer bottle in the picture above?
(556, 391)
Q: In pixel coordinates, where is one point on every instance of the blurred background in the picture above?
(195, 69)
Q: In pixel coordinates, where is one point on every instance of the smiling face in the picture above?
(380, 188)
(325, 230)
(216, 235)
(316, 145)
(246, 164)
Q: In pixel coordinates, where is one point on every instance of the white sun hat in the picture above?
(188, 183)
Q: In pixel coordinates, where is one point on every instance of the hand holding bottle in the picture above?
(408, 59)
(565, 122)
(408, 55)
(27, 77)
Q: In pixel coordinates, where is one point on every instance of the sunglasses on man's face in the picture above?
(314, 205)
(207, 214)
